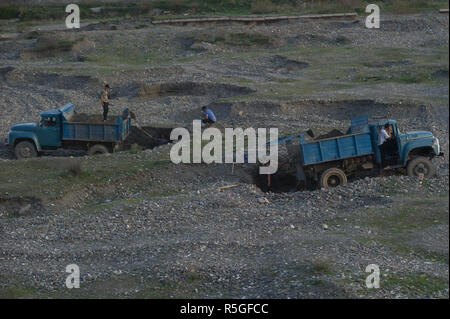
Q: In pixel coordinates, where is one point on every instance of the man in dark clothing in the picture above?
(105, 102)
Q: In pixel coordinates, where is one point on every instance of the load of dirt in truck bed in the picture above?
(330, 134)
(92, 118)
(147, 137)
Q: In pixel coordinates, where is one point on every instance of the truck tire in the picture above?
(333, 177)
(25, 149)
(420, 165)
(98, 149)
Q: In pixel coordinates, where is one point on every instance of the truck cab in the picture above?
(28, 139)
(49, 131)
(413, 150)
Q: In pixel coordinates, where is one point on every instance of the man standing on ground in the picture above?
(208, 116)
(383, 136)
(105, 102)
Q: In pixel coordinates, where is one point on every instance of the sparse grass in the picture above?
(322, 266)
(39, 178)
(186, 285)
(395, 228)
(72, 167)
(13, 292)
(411, 284)
(407, 217)
(135, 149)
(403, 78)
(48, 46)
(317, 267)
(413, 6)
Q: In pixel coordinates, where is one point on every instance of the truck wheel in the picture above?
(332, 177)
(25, 149)
(420, 165)
(98, 149)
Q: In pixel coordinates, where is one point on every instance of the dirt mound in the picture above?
(330, 134)
(219, 90)
(20, 206)
(337, 110)
(47, 47)
(286, 64)
(53, 80)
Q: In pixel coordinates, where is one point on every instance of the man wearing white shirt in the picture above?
(383, 136)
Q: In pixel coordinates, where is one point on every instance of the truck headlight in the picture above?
(436, 142)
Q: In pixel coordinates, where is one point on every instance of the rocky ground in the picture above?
(139, 226)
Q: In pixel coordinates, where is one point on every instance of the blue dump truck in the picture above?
(329, 161)
(64, 128)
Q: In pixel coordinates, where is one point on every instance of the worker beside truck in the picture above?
(208, 117)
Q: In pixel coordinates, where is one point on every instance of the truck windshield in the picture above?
(48, 121)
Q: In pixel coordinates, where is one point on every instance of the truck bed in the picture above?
(83, 127)
(336, 148)
(356, 142)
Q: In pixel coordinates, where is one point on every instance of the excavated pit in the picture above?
(318, 113)
(147, 137)
(281, 182)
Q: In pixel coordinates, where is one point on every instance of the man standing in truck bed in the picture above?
(104, 98)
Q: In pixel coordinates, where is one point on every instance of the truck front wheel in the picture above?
(420, 166)
(25, 149)
(333, 177)
(98, 149)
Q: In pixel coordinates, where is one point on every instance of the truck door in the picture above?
(398, 142)
(49, 131)
(392, 148)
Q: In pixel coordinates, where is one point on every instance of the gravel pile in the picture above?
(231, 237)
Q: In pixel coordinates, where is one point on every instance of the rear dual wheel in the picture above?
(98, 149)
(333, 177)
